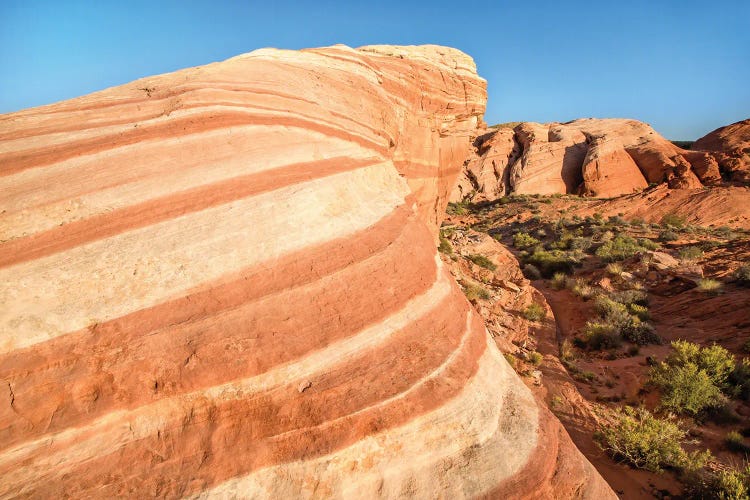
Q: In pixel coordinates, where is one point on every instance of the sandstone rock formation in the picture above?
(595, 157)
(730, 146)
(223, 282)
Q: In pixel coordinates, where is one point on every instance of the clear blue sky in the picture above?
(682, 65)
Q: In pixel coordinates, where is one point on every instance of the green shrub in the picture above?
(559, 281)
(445, 246)
(673, 220)
(648, 244)
(535, 358)
(550, 262)
(620, 248)
(633, 296)
(735, 442)
(580, 288)
(742, 275)
(474, 292)
(458, 208)
(598, 336)
(731, 484)
(510, 359)
(709, 286)
(531, 272)
(614, 268)
(523, 240)
(482, 261)
(692, 378)
(643, 440)
(640, 311)
(690, 253)
(669, 235)
(686, 389)
(567, 353)
(534, 312)
(739, 380)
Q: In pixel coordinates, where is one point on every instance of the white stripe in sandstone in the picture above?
(160, 167)
(461, 450)
(57, 453)
(85, 285)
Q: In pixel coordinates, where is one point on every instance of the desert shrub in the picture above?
(648, 244)
(709, 286)
(530, 271)
(643, 440)
(637, 221)
(474, 292)
(640, 311)
(735, 442)
(458, 208)
(692, 378)
(482, 261)
(535, 358)
(510, 359)
(730, 484)
(742, 275)
(690, 253)
(523, 240)
(567, 353)
(550, 262)
(620, 248)
(445, 246)
(686, 389)
(724, 232)
(616, 219)
(598, 336)
(559, 280)
(581, 289)
(633, 296)
(534, 312)
(673, 220)
(580, 243)
(614, 268)
(598, 216)
(739, 380)
(669, 235)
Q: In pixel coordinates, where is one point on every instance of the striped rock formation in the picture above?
(223, 282)
(595, 157)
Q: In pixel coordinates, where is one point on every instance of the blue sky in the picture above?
(682, 65)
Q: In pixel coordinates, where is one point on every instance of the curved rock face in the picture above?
(595, 157)
(730, 146)
(223, 282)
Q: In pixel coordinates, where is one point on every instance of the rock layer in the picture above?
(594, 157)
(223, 282)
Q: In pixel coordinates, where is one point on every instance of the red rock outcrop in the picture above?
(730, 146)
(595, 157)
(223, 282)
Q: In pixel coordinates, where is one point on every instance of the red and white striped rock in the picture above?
(223, 282)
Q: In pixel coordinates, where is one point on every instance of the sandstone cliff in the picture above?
(223, 282)
(594, 157)
(731, 147)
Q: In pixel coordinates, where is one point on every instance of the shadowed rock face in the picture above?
(223, 282)
(596, 157)
(730, 146)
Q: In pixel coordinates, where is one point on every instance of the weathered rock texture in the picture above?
(594, 157)
(223, 282)
(730, 146)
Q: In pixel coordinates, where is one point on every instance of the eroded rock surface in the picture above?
(597, 157)
(730, 146)
(223, 282)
